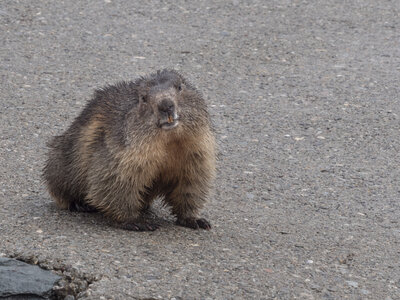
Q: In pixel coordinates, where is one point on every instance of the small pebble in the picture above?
(365, 292)
(352, 283)
(250, 195)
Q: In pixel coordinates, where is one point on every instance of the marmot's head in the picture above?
(166, 99)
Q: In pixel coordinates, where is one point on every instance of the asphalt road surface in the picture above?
(304, 96)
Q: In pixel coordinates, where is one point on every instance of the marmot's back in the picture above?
(134, 142)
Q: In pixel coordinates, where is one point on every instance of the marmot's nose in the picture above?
(166, 106)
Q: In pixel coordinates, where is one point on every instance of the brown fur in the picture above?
(123, 151)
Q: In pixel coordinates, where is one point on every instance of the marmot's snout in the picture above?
(167, 114)
(166, 106)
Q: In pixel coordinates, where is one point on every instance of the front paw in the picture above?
(194, 223)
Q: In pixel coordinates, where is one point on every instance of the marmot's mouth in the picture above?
(169, 124)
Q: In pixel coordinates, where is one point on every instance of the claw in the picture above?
(194, 223)
(203, 223)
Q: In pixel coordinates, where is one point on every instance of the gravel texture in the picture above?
(305, 100)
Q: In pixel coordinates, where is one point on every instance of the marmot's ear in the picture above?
(180, 86)
(142, 97)
(142, 92)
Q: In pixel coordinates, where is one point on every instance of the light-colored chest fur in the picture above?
(169, 156)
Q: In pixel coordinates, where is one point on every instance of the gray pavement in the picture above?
(305, 100)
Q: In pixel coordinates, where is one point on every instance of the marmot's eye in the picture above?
(143, 98)
(179, 87)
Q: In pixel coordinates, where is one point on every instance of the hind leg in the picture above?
(146, 218)
(81, 207)
(123, 202)
(66, 200)
(64, 183)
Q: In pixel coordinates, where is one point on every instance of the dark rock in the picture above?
(19, 280)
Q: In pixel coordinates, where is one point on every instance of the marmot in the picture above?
(134, 142)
